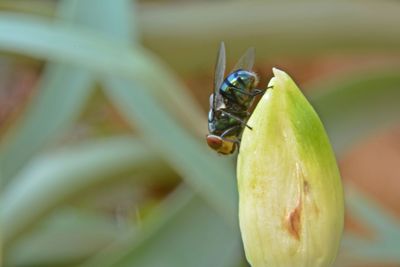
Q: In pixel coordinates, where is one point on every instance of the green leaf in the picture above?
(303, 22)
(371, 213)
(68, 236)
(182, 231)
(196, 237)
(113, 18)
(116, 60)
(55, 178)
(43, 8)
(357, 105)
(62, 94)
(210, 176)
(383, 225)
(137, 67)
(165, 134)
(277, 29)
(57, 41)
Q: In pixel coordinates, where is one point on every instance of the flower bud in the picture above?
(291, 206)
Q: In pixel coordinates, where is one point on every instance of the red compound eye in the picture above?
(215, 142)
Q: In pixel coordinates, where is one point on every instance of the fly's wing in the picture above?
(246, 62)
(219, 76)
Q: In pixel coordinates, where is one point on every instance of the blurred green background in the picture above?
(103, 116)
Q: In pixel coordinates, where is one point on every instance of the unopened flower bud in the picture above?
(291, 205)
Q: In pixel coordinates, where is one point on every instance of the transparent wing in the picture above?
(219, 74)
(246, 62)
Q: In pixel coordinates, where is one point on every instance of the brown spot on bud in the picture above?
(309, 198)
(306, 187)
(293, 222)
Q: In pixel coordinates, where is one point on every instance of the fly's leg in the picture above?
(260, 91)
(253, 93)
(256, 91)
(236, 118)
(229, 131)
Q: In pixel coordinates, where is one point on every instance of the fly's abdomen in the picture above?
(219, 122)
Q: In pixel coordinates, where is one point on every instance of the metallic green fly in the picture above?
(231, 101)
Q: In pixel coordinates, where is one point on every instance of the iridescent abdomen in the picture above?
(224, 122)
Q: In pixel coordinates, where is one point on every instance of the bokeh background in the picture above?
(103, 116)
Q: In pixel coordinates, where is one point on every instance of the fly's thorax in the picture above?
(237, 88)
(249, 77)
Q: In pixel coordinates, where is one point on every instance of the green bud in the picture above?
(291, 206)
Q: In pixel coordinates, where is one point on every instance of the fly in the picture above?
(231, 101)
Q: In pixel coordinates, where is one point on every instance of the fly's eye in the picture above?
(215, 142)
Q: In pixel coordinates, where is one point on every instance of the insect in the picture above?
(231, 101)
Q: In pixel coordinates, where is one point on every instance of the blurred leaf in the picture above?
(166, 135)
(170, 255)
(141, 69)
(57, 177)
(357, 105)
(57, 41)
(162, 81)
(189, 43)
(196, 237)
(371, 213)
(213, 178)
(111, 17)
(28, 6)
(384, 246)
(67, 236)
(183, 231)
(62, 94)
(84, 48)
(275, 28)
(65, 89)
